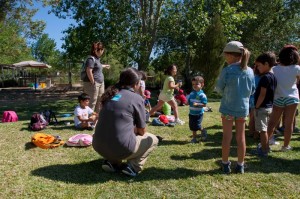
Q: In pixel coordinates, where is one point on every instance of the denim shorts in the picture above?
(195, 122)
(230, 117)
(285, 101)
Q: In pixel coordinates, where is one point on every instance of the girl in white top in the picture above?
(286, 97)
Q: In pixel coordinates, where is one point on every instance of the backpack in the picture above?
(37, 122)
(157, 122)
(46, 141)
(49, 116)
(83, 75)
(9, 116)
(80, 140)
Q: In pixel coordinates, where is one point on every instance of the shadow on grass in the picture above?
(91, 173)
(254, 163)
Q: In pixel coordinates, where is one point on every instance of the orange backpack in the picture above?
(46, 141)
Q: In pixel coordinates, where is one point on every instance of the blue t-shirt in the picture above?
(198, 97)
(269, 82)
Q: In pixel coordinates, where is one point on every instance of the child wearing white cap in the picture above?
(236, 84)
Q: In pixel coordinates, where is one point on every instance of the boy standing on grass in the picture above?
(263, 99)
(85, 117)
(197, 100)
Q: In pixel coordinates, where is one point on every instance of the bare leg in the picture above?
(159, 104)
(240, 139)
(274, 120)
(290, 112)
(227, 136)
(174, 106)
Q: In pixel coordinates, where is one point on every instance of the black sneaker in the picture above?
(239, 169)
(226, 167)
(108, 167)
(129, 171)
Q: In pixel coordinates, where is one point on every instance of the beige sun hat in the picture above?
(233, 47)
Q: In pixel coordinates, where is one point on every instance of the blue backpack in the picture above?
(157, 122)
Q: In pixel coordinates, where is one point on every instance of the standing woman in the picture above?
(93, 84)
(166, 95)
(236, 84)
(286, 97)
(121, 130)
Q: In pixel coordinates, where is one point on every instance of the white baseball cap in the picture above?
(234, 47)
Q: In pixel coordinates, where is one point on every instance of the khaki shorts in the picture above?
(166, 98)
(262, 117)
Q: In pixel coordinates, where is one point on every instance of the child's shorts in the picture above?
(262, 117)
(285, 101)
(78, 126)
(195, 122)
(230, 117)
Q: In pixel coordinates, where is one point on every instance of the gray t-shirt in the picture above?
(114, 137)
(97, 69)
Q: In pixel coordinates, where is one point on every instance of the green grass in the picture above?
(176, 169)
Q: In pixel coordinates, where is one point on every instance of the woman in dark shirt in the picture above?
(121, 130)
(93, 83)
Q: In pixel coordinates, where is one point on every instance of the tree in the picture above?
(16, 28)
(129, 25)
(13, 48)
(276, 23)
(207, 59)
(44, 48)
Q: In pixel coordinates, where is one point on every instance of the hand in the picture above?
(107, 66)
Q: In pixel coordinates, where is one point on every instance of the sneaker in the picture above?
(129, 171)
(180, 122)
(226, 168)
(203, 135)
(272, 141)
(239, 168)
(108, 167)
(259, 152)
(286, 148)
(194, 141)
(259, 146)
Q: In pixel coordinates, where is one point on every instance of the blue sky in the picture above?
(54, 25)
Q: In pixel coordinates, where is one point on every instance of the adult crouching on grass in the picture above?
(121, 130)
(93, 83)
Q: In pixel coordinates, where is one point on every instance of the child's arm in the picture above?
(172, 85)
(261, 97)
(199, 104)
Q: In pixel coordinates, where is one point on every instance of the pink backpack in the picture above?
(80, 140)
(9, 116)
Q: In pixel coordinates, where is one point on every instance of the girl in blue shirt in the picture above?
(236, 84)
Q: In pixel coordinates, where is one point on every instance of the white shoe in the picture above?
(284, 149)
(180, 122)
(272, 141)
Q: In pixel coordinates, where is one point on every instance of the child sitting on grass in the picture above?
(181, 98)
(85, 117)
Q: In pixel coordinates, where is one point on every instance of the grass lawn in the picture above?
(176, 169)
